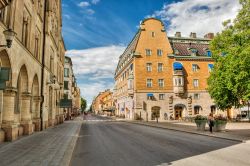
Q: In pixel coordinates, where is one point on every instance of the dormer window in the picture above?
(209, 53)
(176, 52)
(193, 51)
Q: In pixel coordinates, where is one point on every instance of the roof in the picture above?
(130, 48)
(183, 48)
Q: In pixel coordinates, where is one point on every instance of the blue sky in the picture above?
(96, 32)
(108, 22)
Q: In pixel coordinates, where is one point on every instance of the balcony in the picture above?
(178, 90)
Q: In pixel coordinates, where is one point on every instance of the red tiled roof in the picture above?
(183, 48)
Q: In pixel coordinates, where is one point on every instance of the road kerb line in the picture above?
(190, 132)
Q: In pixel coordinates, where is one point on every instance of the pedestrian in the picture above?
(211, 122)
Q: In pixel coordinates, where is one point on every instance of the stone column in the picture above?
(8, 125)
(36, 108)
(26, 121)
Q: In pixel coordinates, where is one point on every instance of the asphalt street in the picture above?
(102, 142)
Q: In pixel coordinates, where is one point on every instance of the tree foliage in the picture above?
(83, 104)
(229, 82)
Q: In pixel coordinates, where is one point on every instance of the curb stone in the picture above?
(190, 132)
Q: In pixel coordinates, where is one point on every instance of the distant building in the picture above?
(103, 103)
(165, 77)
(71, 91)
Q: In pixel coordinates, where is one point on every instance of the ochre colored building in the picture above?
(165, 77)
(103, 103)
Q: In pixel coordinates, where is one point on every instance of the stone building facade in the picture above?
(71, 91)
(29, 102)
(165, 77)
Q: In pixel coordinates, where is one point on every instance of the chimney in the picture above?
(192, 35)
(209, 36)
(177, 34)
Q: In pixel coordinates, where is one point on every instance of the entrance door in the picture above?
(178, 112)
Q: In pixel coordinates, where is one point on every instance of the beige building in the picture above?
(161, 76)
(29, 101)
(71, 91)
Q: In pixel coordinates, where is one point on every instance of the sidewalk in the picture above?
(53, 146)
(234, 131)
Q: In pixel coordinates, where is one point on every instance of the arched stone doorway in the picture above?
(7, 100)
(35, 104)
(179, 111)
(155, 112)
(23, 103)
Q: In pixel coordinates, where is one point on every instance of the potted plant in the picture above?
(220, 123)
(200, 122)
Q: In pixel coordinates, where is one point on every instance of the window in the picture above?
(66, 72)
(149, 83)
(213, 109)
(195, 67)
(161, 83)
(161, 96)
(160, 67)
(159, 52)
(66, 85)
(193, 51)
(209, 53)
(196, 83)
(210, 67)
(178, 82)
(148, 52)
(153, 34)
(197, 109)
(149, 67)
(196, 96)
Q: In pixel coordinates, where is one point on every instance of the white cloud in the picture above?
(95, 2)
(197, 15)
(67, 16)
(90, 11)
(84, 4)
(94, 65)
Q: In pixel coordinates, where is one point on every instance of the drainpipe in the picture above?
(43, 64)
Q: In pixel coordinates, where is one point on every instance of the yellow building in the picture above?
(165, 77)
(103, 103)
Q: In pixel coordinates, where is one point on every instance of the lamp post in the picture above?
(9, 35)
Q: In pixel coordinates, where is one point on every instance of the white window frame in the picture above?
(161, 96)
(161, 83)
(149, 83)
(149, 67)
(159, 52)
(148, 52)
(195, 83)
(195, 67)
(158, 67)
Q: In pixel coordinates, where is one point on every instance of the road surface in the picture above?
(103, 142)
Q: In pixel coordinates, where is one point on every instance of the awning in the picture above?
(177, 66)
(150, 94)
(211, 66)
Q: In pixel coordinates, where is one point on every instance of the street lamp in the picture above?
(9, 35)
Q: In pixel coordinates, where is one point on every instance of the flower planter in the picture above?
(201, 124)
(220, 125)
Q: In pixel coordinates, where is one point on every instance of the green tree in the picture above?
(229, 82)
(83, 104)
